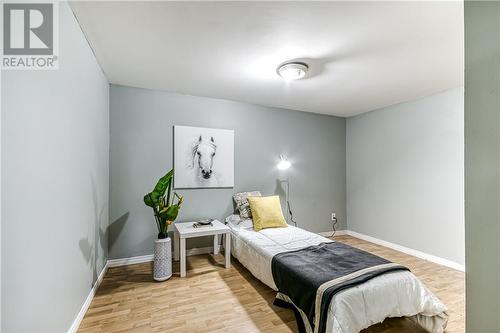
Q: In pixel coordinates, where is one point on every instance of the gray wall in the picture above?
(405, 174)
(141, 152)
(55, 166)
(482, 165)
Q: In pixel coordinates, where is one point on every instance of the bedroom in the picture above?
(369, 124)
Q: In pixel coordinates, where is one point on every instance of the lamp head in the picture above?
(284, 163)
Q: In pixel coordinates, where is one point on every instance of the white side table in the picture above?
(183, 230)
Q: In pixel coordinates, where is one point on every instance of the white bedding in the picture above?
(394, 294)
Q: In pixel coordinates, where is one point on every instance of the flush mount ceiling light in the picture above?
(284, 163)
(292, 70)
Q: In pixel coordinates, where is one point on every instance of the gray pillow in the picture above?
(242, 203)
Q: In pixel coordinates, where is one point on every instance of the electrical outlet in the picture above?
(334, 216)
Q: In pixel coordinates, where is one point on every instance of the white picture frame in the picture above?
(203, 157)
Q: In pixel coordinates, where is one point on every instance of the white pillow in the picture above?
(236, 221)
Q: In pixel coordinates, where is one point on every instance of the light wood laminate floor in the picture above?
(214, 299)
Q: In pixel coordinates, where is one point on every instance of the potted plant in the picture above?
(165, 211)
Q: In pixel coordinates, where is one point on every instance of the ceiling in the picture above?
(362, 55)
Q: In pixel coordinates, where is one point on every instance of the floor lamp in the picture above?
(284, 164)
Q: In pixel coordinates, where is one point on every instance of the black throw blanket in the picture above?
(310, 277)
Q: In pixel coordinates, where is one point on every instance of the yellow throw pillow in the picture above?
(266, 212)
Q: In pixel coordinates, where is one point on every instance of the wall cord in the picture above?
(335, 221)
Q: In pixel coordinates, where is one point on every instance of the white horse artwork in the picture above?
(202, 161)
(203, 157)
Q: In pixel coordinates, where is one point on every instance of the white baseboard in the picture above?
(397, 247)
(130, 261)
(201, 250)
(76, 323)
(149, 257)
(407, 250)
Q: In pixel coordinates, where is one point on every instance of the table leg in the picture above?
(216, 244)
(176, 245)
(183, 256)
(227, 250)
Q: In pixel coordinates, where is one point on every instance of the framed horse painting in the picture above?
(203, 157)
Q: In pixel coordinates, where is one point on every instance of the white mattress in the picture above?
(395, 294)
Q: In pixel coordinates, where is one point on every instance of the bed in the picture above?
(394, 294)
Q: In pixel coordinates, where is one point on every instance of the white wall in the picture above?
(405, 174)
(55, 167)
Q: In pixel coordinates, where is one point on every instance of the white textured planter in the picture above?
(162, 265)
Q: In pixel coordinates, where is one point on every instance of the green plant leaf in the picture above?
(152, 199)
(159, 200)
(180, 198)
(170, 213)
(169, 190)
(148, 200)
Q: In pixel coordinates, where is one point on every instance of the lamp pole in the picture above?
(287, 197)
(284, 165)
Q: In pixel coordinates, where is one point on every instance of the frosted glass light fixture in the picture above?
(292, 70)
(284, 163)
